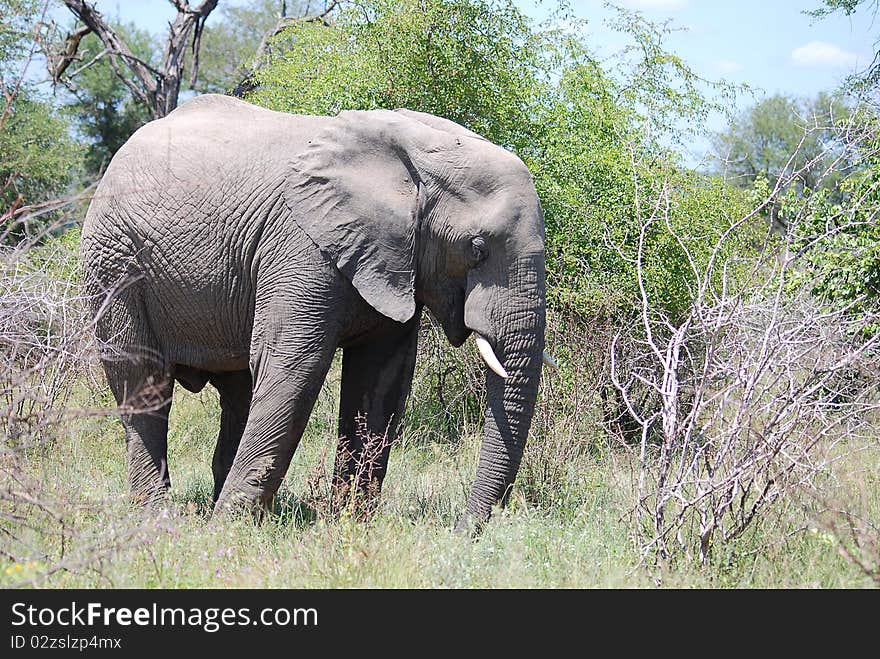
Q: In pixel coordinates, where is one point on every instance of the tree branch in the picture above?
(58, 62)
(247, 83)
(158, 88)
(96, 23)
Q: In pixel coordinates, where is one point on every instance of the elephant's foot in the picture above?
(148, 479)
(156, 501)
(153, 498)
(470, 525)
(244, 501)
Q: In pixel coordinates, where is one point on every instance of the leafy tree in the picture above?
(230, 45)
(795, 145)
(15, 30)
(838, 234)
(106, 112)
(840, 246)
(471, 61)
(38, 156)
(598, 176)
(781, 136)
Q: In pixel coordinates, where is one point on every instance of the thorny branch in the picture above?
(753, 393)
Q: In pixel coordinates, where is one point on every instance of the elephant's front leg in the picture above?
(282, 401)
(376, 380)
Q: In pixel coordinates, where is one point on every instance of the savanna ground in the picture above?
(568, 523)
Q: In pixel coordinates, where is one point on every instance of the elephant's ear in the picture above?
(439, 123)
(355, 192)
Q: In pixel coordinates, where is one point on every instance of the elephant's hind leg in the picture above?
(284, 393)
(376, 380)
(235, 400)
(146, 440)
(296, 330)
(143, 388)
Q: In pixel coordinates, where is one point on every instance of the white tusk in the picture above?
(489, 357)
(550, 361)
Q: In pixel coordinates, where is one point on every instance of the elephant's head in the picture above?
(415, 209)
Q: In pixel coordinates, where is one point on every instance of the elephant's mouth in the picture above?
(450, 314)
(457, 334)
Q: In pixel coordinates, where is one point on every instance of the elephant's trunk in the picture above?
(510, 400)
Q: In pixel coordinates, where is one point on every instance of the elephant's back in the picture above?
(184, 206)
(205, 170)
(212, 145)
(212, 134)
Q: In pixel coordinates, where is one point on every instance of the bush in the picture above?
(38, 156)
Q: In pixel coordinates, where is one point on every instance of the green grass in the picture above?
(571, 532)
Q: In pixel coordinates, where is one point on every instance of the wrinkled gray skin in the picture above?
(243, 246)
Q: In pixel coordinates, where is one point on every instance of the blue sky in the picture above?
(771, 45)
(768, 44)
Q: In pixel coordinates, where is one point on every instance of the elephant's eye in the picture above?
(478, 248)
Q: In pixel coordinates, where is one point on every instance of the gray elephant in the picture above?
(239, 246)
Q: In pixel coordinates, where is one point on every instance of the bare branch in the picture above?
(284, 22)
(158, 88)
(752, 393)
(57, 61)
(93, 19)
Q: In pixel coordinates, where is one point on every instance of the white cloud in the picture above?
(656, 5)
(726, 66)
(822, 53)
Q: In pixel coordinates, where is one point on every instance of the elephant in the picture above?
(236, 245)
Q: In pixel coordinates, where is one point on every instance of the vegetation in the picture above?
(105, 112)
(781, 134)
(577, 534)
(230, 45)
(38, 155)
(715, 419)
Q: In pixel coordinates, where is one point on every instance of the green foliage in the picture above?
(38, 156)
(848, 7)
(780, 136)
(103, 106)
(667, 93)
(839, 241)
(590, 138)
(599, 180)
(57, 257)
(16, 28)
(471, 61)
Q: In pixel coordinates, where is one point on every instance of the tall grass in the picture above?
(577, 537)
